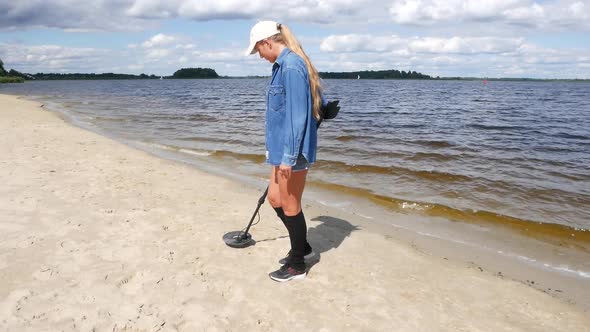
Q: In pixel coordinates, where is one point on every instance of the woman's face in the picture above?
(266, 50)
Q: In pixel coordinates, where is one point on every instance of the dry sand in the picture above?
(97, 236)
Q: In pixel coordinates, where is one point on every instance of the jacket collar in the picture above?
(281, 58)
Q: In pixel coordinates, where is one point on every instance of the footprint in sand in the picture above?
(27, 241)
(45, 273)
(133, 284)
(14, 302)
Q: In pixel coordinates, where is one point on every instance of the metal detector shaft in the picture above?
(260, 202)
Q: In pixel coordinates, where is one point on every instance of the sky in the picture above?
(473, 38)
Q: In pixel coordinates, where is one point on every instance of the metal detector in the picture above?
(243, 239)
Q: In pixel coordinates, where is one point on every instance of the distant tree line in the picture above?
(195, 73)
(377, 74)
(15, 76)
(90, 76)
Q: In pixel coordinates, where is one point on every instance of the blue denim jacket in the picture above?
(291, 128)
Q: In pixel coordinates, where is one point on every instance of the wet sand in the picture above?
(97, 235)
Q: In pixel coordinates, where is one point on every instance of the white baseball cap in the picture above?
(260, 31)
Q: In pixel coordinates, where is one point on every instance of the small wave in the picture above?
(346, 138)
(561, 269)
(215, 140)
(195, 152)
(201, 118)
(198, 117)
(110, 119)
(572, 136)
(256, 158)
(441, 176)
(572, 177)
(414, 206)
(558, 149)
(408, 126)
(566, 269)
(495, 127)
(352, 152)
(433, 144)
(431, 156)
(200, 153)
(161, 146)
(338, 166)
(335, 204)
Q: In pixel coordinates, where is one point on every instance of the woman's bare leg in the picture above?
(291, 191)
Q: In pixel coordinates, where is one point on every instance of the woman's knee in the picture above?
(291, 208)
(274, 199)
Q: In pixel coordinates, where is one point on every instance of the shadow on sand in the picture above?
(328, 235)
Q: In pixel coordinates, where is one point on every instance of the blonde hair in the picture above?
(287, 38)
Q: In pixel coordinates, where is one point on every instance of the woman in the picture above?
(293, 108)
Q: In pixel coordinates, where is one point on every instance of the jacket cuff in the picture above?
(289, 160)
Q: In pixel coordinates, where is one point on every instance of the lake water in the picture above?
(511, 153)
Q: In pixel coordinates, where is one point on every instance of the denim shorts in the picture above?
(301, 164)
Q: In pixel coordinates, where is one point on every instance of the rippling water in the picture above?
(504, 152)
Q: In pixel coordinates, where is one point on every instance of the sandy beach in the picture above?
(98, 236)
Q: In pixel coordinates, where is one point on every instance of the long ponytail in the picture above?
(286, 37)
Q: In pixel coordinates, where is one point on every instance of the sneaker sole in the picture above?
(295, 277)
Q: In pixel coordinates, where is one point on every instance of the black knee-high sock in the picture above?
(298, 235)
(281, 215)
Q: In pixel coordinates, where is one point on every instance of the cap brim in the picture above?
(251, 49)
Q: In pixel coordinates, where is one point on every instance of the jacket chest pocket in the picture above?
(276, 98)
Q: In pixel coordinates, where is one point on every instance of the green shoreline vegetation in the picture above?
(14, 76)
(9, 77)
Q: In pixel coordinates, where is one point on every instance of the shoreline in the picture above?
(436, 175)
(103, 231)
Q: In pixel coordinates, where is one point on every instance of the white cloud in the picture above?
(159, 40)
(186, 46)
(137, 14)
(579, 10)
(455, 56)
(158, 53)
(155, 60)
(162, 47)
(71, 16)
(45, 58)
(527, 15)
(464, 45)
(326, 11)
(430, 11)
(547, 15)
(136, 67)
(360, 43)
(76, 16)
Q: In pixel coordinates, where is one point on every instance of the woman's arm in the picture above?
(297, 111)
